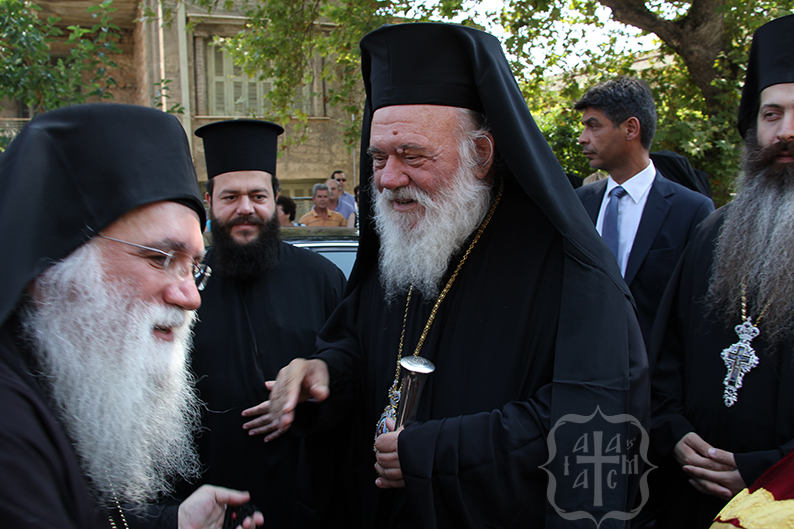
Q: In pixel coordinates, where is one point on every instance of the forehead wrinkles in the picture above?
(414, 124)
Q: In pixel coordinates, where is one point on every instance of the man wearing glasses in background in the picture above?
(346, 197)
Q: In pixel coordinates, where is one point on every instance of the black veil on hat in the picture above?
(676, 167)
(72, 172)
(450, 65)
(771, 62)
(240, 145)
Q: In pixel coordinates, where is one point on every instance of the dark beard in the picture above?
(753, 244)
(245, 261)
(761, 162)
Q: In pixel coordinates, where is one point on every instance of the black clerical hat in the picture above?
(240, 145)
(677, 168)
(419, 64)
(457, 66)
(771, 62)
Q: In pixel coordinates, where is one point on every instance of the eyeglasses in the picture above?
(169, 263)
(341, 179)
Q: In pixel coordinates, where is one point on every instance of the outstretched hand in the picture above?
(205, 508)
(298, 382)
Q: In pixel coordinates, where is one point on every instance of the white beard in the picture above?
(125, 398)
(416, 246)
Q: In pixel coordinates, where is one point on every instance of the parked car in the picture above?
(339, 245)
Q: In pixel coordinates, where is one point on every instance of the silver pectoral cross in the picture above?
(739, 358)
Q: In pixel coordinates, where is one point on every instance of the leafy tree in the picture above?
(281, 39)
(701, 49)
(701, 54)
(29, 74)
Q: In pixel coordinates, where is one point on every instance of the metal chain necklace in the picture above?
(118, 507)
(390, 411)
(740, 357)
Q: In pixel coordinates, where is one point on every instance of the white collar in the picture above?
(636, 186)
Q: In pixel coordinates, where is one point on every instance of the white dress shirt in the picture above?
(630, 210)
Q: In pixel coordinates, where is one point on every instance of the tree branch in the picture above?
(696, 37)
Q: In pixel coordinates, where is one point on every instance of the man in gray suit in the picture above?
(645, 219)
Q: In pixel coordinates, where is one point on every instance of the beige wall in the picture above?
(300, 165)
(153, 51)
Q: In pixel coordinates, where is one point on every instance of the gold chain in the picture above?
(441, 296)
(744, 304)
(118, 506)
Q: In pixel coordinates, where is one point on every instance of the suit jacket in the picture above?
(668, 221)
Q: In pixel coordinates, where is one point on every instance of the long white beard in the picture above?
(416, 246)
(125, 398)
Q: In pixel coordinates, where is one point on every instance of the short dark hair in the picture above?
(338, 171)
(210, 184)
(621, 99)
(288, 205)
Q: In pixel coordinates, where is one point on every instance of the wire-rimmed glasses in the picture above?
(169, 263)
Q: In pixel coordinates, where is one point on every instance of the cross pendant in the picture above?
(739, 358)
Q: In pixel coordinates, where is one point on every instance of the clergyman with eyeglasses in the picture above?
(100, 219)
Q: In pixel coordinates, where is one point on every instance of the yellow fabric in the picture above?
(758, 510)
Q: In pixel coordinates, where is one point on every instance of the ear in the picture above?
(486, 149)
(208, 199)
(632, 129)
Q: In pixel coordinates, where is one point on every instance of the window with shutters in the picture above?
(232, 93)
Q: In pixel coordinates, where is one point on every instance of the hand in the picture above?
(723, 484)
(205, 508)
(692, 450)
(387, 459)
(298, 382)
(263, 421)
(713, 471)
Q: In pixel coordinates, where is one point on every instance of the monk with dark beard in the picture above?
(96, 310)
(722, 365)
(264, 306)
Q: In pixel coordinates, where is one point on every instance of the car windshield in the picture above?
(338, 245)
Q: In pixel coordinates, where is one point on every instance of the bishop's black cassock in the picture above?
(538, 325)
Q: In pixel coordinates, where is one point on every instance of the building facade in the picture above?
(177, 50)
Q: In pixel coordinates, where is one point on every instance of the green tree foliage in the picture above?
(697, 67)
(31, 75)
(281, 38)
(700, 49)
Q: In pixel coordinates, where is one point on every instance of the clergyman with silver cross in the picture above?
(722, 364)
